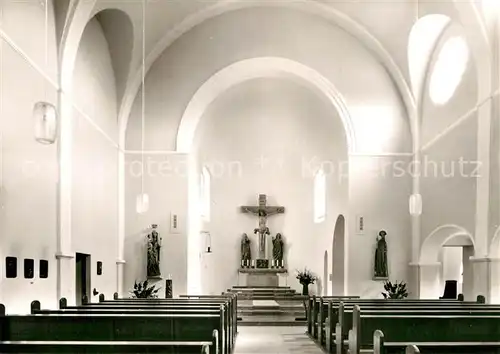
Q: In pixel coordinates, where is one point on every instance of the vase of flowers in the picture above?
(395, 290)
(142, 290)
(306, 277)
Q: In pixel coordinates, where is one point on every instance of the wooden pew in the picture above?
(171, 306)
(319, 308)
(339, 323)
(109, 333)
(442, 333)
(229, 302)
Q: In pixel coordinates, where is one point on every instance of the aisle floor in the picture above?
(274, 340)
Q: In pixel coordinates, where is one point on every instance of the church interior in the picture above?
(266, 159)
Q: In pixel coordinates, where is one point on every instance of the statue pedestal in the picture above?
(259, 277)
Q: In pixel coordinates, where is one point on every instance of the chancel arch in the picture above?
(252, 69)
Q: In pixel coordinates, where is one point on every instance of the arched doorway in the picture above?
(445, 255)
(338, 257)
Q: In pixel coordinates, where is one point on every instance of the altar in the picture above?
(262, 277)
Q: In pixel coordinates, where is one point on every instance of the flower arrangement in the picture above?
(305, 278)
(395, 291)
(142, 291)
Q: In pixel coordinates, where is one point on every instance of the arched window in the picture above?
(449, 69)
(205, 194)
(319, 196)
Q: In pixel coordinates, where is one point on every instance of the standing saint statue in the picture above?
(154, 246)
(278, 250)
(381, 270)
(246, 252)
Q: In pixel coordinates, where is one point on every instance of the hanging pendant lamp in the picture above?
(44, 113)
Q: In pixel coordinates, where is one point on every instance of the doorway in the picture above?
(82, 276)
(338, 257)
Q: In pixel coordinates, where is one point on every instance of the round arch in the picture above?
(251, 69)
(338, 283)
(324, 11)
(431, 246)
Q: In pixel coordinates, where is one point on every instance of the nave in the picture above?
(274, 340)
(189, 176)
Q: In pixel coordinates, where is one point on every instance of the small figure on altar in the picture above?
(278, 251)
(246, 251)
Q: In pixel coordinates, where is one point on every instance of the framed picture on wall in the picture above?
(29, 268)
(44, 269)
(11, 267)
(99, 268)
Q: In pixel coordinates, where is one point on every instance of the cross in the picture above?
(263, 211)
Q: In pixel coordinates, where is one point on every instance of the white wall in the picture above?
(95, 159)
(449, 190)
(379, 188)
(165, 180)
(28, 169)
(293, 131)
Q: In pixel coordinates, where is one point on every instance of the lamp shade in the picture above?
(142, 203)
(45, 116)
(415, 204)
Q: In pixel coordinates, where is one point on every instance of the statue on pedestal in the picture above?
(153, 267)
(380, 267)
(278, 250)
(246, 252)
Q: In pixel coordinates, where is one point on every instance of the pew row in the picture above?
(437, 333)
(231, 298)
(318, 308)
(166, 304)
(111, 333)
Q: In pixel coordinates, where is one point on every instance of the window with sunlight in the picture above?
(319, 196)
(448, 71)
(205, 194)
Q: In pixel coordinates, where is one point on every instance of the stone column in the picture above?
(486, 279)
(468, 275)
(428, 280)
(120, 268)
(66, 277)
(64, 255)
(494, 297)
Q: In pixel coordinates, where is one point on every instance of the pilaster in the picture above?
(486, 278)
(120, 269)
(66, 277)
(428, 280)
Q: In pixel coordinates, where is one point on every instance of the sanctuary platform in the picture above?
(270, 306)
(262, 277)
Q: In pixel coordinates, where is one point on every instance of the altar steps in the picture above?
(269, 306)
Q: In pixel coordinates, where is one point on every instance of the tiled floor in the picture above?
(274, 340)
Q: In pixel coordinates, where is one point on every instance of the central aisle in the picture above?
(274, 340)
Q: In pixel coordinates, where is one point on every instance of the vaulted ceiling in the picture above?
(383, 27)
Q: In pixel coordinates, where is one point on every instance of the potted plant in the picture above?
(143, 291)
(305, 278)
(395, 291)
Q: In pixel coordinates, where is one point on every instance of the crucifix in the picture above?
(262, 211)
